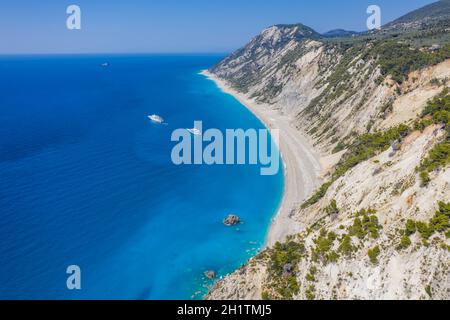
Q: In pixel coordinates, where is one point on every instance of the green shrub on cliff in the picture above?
(323, 245)
(283, 254)
(368, 225)
(346, 247)
(424, 229)
(440, 223)
(405, 242)
(399, 59)
(357, 229)
(332, 208)
(438, 157)
(410, 227)
(441, 220)
(283, 261)
(317, 195)
(367, 146)
(339, 147)
(421, 124)
(311, 274)
(424, 178)
(373, 254)
(310, 292)
(439, 103)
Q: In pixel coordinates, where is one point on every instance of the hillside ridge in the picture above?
(377, 108)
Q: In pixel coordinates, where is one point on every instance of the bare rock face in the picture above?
(395, 193)
(231, 220)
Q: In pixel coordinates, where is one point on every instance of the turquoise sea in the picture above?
(86, 179)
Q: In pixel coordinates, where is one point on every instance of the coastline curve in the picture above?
(301, 162)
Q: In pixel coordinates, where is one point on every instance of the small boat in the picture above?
(156, 118)
(105, 65)
(195, 131)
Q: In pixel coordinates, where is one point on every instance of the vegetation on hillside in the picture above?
(369, 145)
(283, 262)
(348, 64)
(437, 111)
(364, 147)
(329, 247)
(373, 254)
(395, 58)
(365, 224)
(439, 223)
(398, 59)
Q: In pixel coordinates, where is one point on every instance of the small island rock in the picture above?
(231, 220)
(210, 274)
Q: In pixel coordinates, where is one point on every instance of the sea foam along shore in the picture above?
(301, 162)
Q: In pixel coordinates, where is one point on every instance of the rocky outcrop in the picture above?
(231, 220)
(210, 274)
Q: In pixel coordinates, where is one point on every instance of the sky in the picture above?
(172, 26)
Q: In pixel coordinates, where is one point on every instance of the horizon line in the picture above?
(114, 53)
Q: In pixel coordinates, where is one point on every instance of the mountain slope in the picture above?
(377, 107)
(432, 14)
(335, 87)
(355, 243)
(247, 66)
(336, 33)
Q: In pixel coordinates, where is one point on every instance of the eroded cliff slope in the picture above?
(377, 106)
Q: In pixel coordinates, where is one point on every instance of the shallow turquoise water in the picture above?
(87, 179)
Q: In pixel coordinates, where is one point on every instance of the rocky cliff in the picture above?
(377, 107)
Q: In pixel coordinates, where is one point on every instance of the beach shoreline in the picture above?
(301, 162)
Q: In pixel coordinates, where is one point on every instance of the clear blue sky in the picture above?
(33, 26)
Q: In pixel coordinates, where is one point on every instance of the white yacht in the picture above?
(195, 131)
(156, 118)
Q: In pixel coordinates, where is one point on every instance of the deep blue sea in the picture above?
(86, 179)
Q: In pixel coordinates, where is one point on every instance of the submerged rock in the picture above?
(231, 220)
(210, 274)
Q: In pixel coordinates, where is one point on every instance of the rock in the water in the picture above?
(210, 274)
(231, 220)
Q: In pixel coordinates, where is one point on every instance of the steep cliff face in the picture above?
(336, 88)
(356, 242)
(377, 106)
(369, 237)
(264, 66)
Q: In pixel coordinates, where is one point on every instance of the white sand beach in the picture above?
(301, 162)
